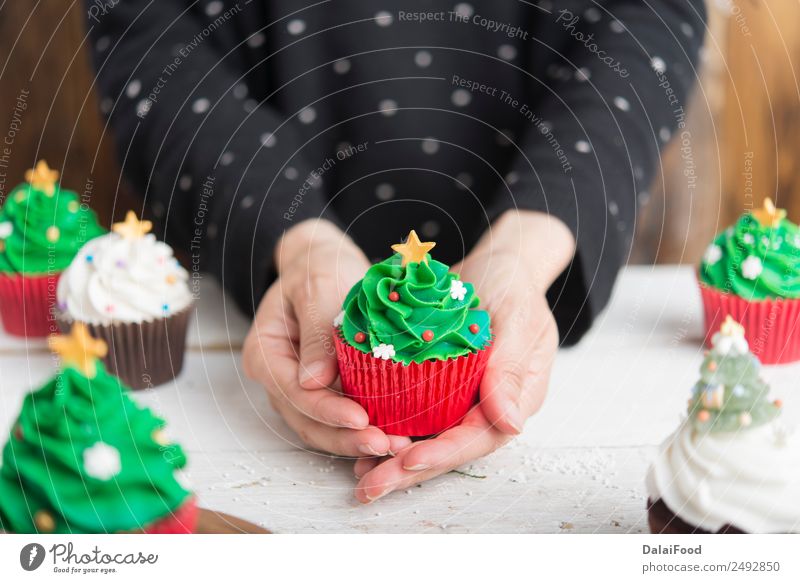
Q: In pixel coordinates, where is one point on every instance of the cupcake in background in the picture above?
(130, 290)
(42, 226)
(752, 272)
(82, 457)
(730, 467)
(411, 346)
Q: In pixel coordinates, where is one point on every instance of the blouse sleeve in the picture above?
(611, 99)
(194, 143)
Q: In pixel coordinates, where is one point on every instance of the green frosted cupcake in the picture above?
(751, 271)
(82, 457)
(42, 227)
(411, 342)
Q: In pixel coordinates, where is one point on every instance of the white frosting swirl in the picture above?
(749, 478)
(117, 279)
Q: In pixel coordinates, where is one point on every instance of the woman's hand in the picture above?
(290, 349)
(511, 267)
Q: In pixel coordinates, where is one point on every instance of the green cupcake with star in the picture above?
(83, 457)
(751, 271)
(42, 227)
(411, 342)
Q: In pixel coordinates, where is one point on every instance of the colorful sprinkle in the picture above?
(703, 416)
(712, 366)
(160, 437)
(474, 328)
(89, 258)
(109, 308)
(18, 432)
(73, 206)
(171, 279)
(165, 307)
(120, 263)
(778, 403)
(44, 521)
(394, 296)
(359, 337)
(745, 419)
(53, 233)
(427, 336)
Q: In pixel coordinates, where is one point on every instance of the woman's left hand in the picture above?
(511, 267)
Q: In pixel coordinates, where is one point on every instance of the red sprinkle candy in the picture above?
(474, 328)
(360, 337)
(394, 296)
(427, 336)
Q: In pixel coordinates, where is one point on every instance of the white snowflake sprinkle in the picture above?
(748, 238)
(6, 228)
(102, 461)
(383, 351)
(339, 319)
(752, 267)
(457, 290)
(712, 255)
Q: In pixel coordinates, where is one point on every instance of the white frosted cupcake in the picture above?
(129, 290)
(731, 467)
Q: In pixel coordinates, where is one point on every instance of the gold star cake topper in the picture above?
(131, 227)
(768, 215)
(42, 177)
(413, 250)
(79, 349)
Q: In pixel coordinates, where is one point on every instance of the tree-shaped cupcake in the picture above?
(84, 458)
(42, 227)
(730, 467)
(730, 393)
(411, 345)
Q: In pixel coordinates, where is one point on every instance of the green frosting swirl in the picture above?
(28, 242)
(424, 304)
(775, 253)
(45, 460)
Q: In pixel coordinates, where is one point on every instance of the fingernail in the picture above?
(417, 468)
(381, 495)
(367, 449)
(513, 417)
(312, 371)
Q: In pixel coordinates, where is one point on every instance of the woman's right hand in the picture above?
(290, 349)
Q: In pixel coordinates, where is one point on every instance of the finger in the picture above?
(508, 371)
(315, 315)
(364, 465)
(278, 375)
(398, 443)
(370, 442)
(428, 459)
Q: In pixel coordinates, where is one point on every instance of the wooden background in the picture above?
(746, 106)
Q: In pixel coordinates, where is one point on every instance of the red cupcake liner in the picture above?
(182, 521)
(413, 400)
(26, 304)
(771, 326)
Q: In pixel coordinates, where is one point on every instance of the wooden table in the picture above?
(578, 467)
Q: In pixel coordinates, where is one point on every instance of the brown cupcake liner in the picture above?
(142, 355)
(662, 520)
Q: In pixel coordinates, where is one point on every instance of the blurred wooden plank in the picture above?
(50, 108)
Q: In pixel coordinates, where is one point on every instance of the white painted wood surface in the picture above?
(578, 467)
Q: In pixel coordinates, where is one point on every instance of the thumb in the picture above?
(506, 376)
(315, 314)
